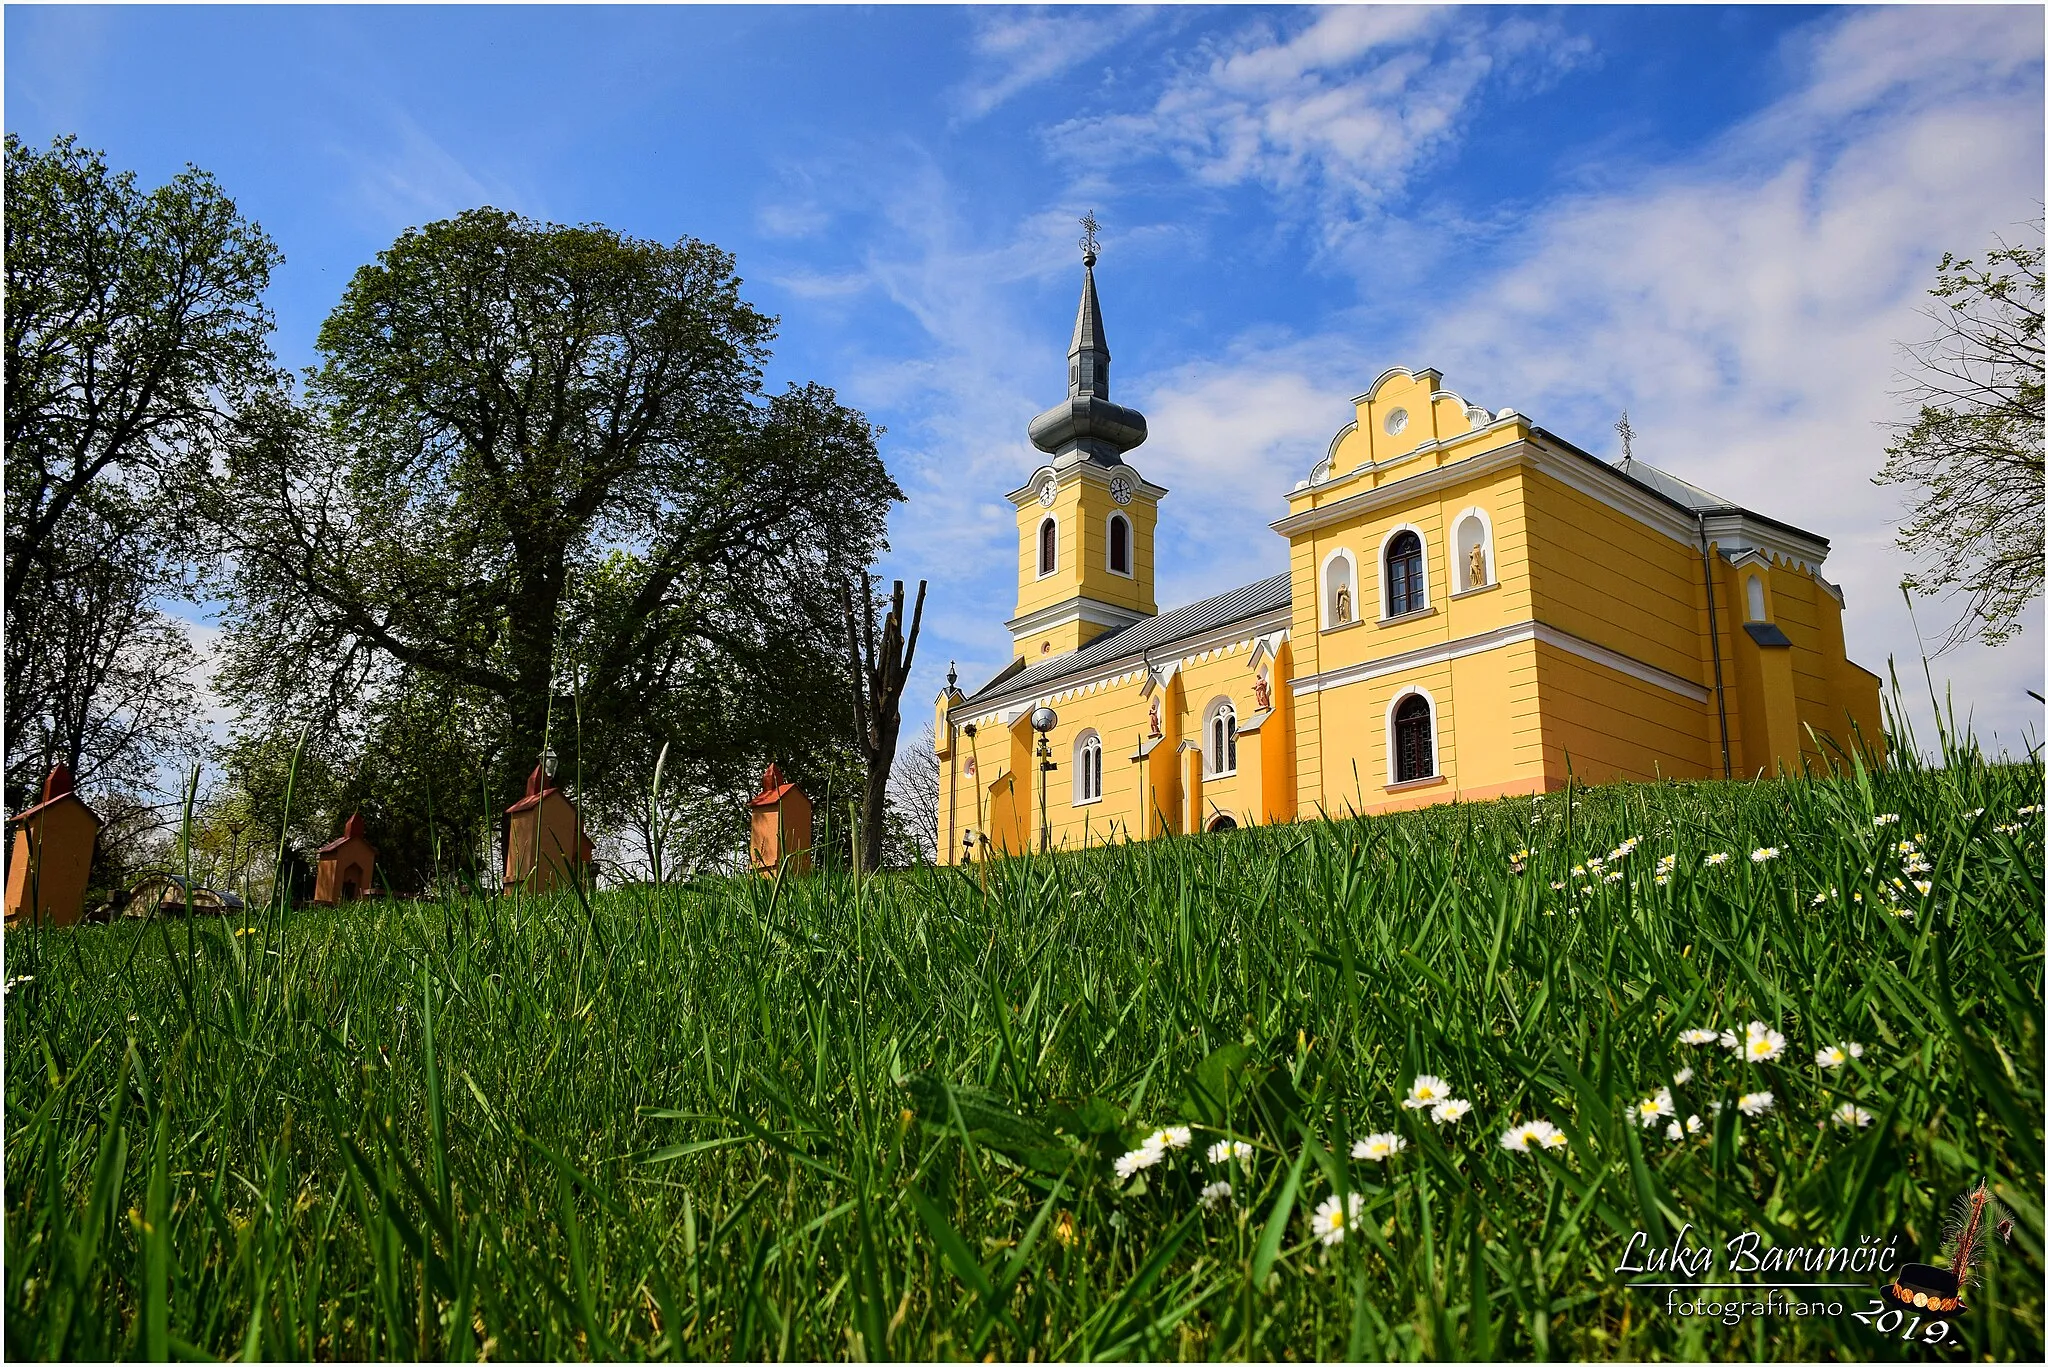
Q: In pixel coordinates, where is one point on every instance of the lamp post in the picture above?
(1043, 721)
(969, 732)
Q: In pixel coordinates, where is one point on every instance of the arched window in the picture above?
(1119, 544)
(1087, 768)
(1219, 729)
(1406, 591)
(1340, 590)
(1414, 740)
(1048, 546)
(1753, 585)
(1474, 566)
(1224, 822)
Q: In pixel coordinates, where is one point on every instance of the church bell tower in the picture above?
(1085, 519)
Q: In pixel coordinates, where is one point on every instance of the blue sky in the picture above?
(1720, 219)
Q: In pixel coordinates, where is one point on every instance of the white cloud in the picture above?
(1018, 49)
(412, 179)
(1337, 113)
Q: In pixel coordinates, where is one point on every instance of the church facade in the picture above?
(1472, 607)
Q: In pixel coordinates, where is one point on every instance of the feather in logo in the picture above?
(1975, 1226)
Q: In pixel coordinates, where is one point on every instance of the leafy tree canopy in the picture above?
(1973, 456)
(538, 466)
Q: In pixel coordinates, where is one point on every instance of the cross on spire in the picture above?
(1090, 248)
(1628, 436)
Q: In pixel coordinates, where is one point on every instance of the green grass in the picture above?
(820, 1120)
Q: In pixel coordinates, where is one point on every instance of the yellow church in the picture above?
(1472, 607)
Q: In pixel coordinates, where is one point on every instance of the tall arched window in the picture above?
(1753, 585)
(1405, 589)
(1119, 543)
(1414, 743)
(1220, 730)
(1087, 768)
(1048, 546)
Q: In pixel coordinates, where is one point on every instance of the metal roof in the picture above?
(1153, 633)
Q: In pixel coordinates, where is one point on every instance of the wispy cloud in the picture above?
(1015, 50)
(410, 178)
(1337, 112)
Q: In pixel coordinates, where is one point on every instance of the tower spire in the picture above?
(1088, 426)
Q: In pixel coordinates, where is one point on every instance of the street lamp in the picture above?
(1043, 721)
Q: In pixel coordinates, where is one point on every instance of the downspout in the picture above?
(1714, 635)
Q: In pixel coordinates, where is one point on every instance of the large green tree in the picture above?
(136, 338)
(1972, 457)
(539, 465)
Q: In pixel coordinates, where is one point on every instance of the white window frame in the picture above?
(1460, 556)
(1381, 563)
(1211, 766)
(1130, 545)
(1436, 727)
(1087, 779)
(1038, 546)
(1756, 606)
(1328, 598)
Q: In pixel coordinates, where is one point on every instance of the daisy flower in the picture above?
(2033, 810)
(1172, 1137)
(1666, 863)
(1682, 1076)
(1697, 1036)
(1674, 1132)
(1614, 877)
(1216, 1195)
(1533, 1134)
(1755, 1103)
(1332, 1217)
(1764, 855)
(1136, 1161)
(1226, 1150)
(1886, 819)
(1833, 1056)
(1451, 1111)
(1652, 1109)
(1849, 1115)
(1716, 859)
(1377, 1148)
(1427, 1090)
(1762, 1044)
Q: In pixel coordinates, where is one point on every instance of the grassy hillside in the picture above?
(818, 1120)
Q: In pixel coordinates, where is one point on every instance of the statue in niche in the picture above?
(1342, 613)
(1156, 733)
(1262, 692)
(1475, 569)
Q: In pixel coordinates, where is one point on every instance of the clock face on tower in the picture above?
(1047, 492)
(1120, 490)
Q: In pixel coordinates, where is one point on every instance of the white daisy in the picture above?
(1652, 1109)
(1849, 1115)
(1216, 1195)
(1682, 1076)
(1764, 855)
(1225, 1150)
(1332, 1217)
(1536, 1133)
(1696, 1036)
(1716, 859)
(1172, 1137)
(1451, 1111)
(1426, 1091)
(1377, 1148)
(1755, 1103)
(1137, 1160)
(1886, 819)
(1833, 1056)
(1763, 1043)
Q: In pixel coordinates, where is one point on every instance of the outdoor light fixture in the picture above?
(1043, 721)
